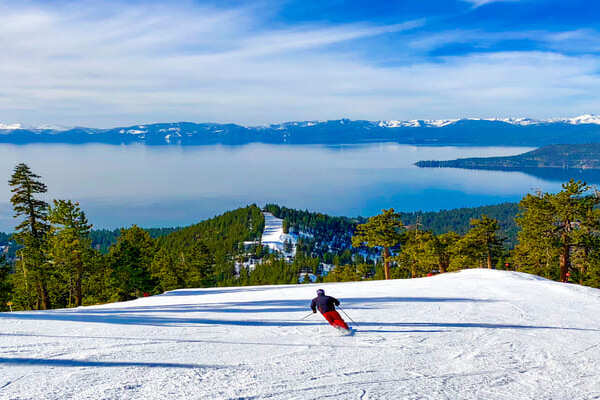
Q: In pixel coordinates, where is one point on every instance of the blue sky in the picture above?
(109, 63)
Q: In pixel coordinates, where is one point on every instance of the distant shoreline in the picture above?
(568, 158)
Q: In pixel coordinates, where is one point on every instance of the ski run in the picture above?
(273, 236)
(475, 334)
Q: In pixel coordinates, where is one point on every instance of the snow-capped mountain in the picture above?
(416, 123)
(40, 128)
(438, 123)
(413, 123)
(582, 119)
(10, 126)
(466, 131)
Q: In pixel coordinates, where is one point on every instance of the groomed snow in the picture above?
(273, 236)
(476, 334)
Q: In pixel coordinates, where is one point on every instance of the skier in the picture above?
(326, 306)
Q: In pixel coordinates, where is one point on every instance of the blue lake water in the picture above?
(167, 186)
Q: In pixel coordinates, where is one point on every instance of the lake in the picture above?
(169, 185)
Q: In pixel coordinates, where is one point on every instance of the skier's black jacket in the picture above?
(324, 303)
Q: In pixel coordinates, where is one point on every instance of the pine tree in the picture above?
(163, 270)
(592, 274)
(484, 236)
(70, 246)
(442, 245)
(417, 254)
(288, 247)
(5, 286)
(558, 225)
(130, 259)
(198, 264)
(479, 246)
(286, 226)
(383, 231)
(365, 270)
(536, 251)
(97, 281)
(31, 234)
(343, 273)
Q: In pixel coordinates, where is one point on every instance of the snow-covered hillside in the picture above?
(273, 236)
(475, 334)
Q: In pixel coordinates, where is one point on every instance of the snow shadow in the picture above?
(399, 331)
(147, 320)
(171, 315)
(199, 292)
(470, 325)
(370, 300)
(51, 362)
(97, 316)
(265, 306)
(270, 343)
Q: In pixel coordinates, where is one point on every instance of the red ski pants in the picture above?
(335, 320)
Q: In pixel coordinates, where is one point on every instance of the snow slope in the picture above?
(272, 232)
(470, 335)
(273, 236)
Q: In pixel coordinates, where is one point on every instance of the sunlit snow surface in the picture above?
(273, 232)
(470, 335)
(273, 236)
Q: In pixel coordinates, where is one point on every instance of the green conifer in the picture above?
(383, 231)
(69, 246)
(558, 226)
(31, 234)
(130, 259)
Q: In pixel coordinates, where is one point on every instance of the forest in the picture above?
(562, 156)
(337, 231)
(59, 261)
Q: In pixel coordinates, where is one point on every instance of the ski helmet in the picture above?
(320, 292)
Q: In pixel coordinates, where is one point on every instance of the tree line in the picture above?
(57, 266)
(558, 238)
(333, 235)
(57, 263)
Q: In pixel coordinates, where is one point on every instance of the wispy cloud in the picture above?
(104, 64)
(571, 41)
(479, 3)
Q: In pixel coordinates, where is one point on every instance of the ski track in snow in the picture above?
(469, 335)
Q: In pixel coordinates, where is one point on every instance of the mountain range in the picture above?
(471, 131)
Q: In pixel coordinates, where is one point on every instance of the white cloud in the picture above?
(578, 41)
(78, 64)
(479, 3)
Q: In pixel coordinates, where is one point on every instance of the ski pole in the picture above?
(353, 321)
(306, 316)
